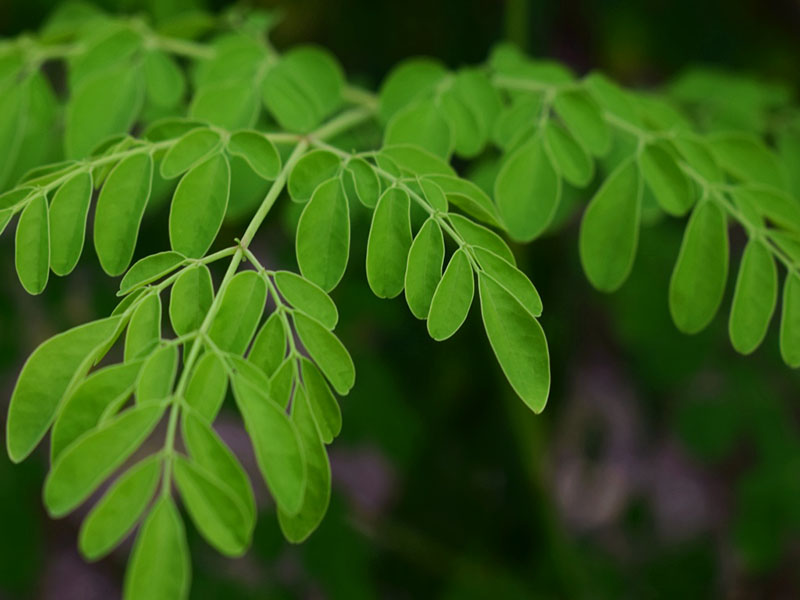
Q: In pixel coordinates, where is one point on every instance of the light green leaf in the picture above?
(512, 279)
(671, 187)
(99, 394)
(159, 568)
(228, 104)
(86, 463)
(108, 45)
(453, 298)
(609, 231)
(276, 443)
(611, 98)
(698, 280)
(518, 343)
(119, 212)
(527, 191)
(434, 194)
(199, 205)
(148, 269)
(778, 207)
(281, 383)
(365, 182)
(468, 197)
(327, 352)
(144, 330)
(568, 157)
(207, 385)
(192, 148)
(790, 321)
(240, 310)
(299, 526)
(421, 124)
(259, 152)
(517, 121)
(388, 243)
(313, 169)
(158, 375)
(12, 198)
(32, 246)
(414, 160)
(407, 83)
(304, 295)
(218, 515)
(209, 451)
(324, 406)
(303, 88)
(190, 298)
(747, 158)
(699, 157)
(112, 519)
(68, 212)
(424, 268)
(103, 105)
(478, 235)
(471, 105)
(323, 236)
(754, 299)
(46, 377)
(164, 79)
(584, 120)
(269, 347)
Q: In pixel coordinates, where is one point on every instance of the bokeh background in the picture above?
(665, 466)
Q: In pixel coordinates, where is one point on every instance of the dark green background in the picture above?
(665, 466)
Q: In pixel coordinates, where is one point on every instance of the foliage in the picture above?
(203, 112)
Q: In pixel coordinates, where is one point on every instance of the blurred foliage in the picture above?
(665, 466)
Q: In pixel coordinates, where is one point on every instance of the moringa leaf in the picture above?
(478, 235)
(192, 148)
(148, 269)
(270, 346)
(424, 268)
(190, 299)
(754, 298)
(388, 243)
(32, 246)
(467, 196)
(366, 185)
(672, 189)
(568, 157)
(324, 406)
(229, 104)
(240, 310)
(68, 211)
(421, 124)
(583, 118)
(327, 352)
(313, 169)
(747, 158)
(452, 298)
(258, 151)
(407, 83)
(158, 375)
(164, 79)
(304, 295)
(207, 386)
(144, 329)
(512, 279)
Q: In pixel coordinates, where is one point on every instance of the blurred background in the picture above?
(664, 466)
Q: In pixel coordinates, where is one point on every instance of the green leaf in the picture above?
(518, 343)
(164, 79)
(303, 88)
(323, 236)
(144, 330)
(366, 185)
(790, 321)
(103, 105)
(408, 82)
(517, 121)
(32, 246)
(611, 98)
(527, 191)
(304, 295)
(207, 386)
(119, 212)
(568, 157)
(754, 299)
(219, 516)
(698, 280)
(276, 443)
(158, 375)
(12, 198)
(100, 393)
(512, 279)
(86, 463)
(240, 310)
(159, 567)
(698, 157)
(68, 212)
(414, 160)
(747, 158)
(112, 519)
(327, 352)
(471, 105)
(468, 197)
(259, 152)
(45, 378)
(423, 125)
(190, 299)
(109, 45)
(228, 104)
(269, 347)
(209, 451)
(297, 527)
(313, 169)
(192, 148)
(672, 189)
(281, 383)
(452, 298)
(324, 406)
(434, 194)
(148, 269)
(424, 268)
(388, 243)
(478, 235)
(780, 208)
(198, 206)
(609, 231)
(584, 120)
(170, 128)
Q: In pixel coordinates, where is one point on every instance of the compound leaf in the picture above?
(68, 212)
(32, 246)
(207, 385)
(424, 268)
(269, 347)
(388, 243)
(144, 330)
(240, 310)
(670, 186)
(327, 352)
(258, 151)
(188, 151)
(452, 298)
(190, 298)
(304, 295)
(310, 172)
(148, 269)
